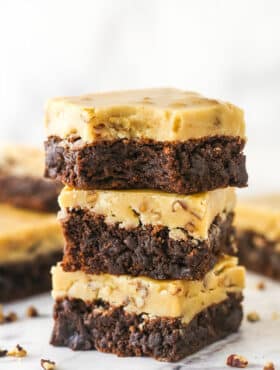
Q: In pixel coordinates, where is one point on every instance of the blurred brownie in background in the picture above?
(30, 235)
(30, 242)
(258, 234)
(21, 179)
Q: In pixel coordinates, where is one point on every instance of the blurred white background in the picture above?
(228, 49)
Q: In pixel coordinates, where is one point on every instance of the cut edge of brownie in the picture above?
(96, 325)
(258, 254)
(93, 246)
(22, 279)
(29, 192)
(186, 167)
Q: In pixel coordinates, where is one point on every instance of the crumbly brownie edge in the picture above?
(93, 246)
(28, 192)
(25, 278)
(181, 167)
(86, 326)
(259, 254)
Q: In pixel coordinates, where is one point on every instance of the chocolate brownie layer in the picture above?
(259, 254)
(181, 167)
(86, 326)
(29, 192)
(22, 279)
(94, 246)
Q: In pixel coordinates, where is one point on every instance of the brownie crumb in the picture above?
(32, 312)
(3, 352)
(269, 366)
(237, 361)
(253, 316)
(261, 285)
(18, 351)
(47, 364)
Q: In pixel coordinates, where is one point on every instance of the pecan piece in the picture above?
(237, 361)
(18, 351)
(47, 364)
(32, 312)
(269, 366)
(261, 285)
(253, 316)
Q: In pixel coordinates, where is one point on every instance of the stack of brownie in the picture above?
(30, 237)
(149, 266)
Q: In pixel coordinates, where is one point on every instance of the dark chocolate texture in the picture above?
(181, 167)
(96, 325)
(94, 246)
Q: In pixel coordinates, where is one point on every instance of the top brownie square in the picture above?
(162, 138)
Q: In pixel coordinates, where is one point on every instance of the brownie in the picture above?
(187, 167)
(24, 278)
(96, 325)
(259, 254)
(29, 192)
(94, 246)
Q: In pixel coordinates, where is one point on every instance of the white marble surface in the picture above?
(259, 342)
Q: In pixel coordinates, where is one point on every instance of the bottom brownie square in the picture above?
(136, 316)
(96, 325)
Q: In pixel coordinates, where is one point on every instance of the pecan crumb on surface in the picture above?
(11, 317)
(32, 312)
(237, 361)
(3, 352)
(253, 316)
(261, 285)
(47, 364)
(18, 351)
(269, 366)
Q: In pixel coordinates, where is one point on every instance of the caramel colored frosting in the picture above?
(25, 234)
(165, 298)
(260, 214)
(161, 114)
(182, 214)
(20, 160)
